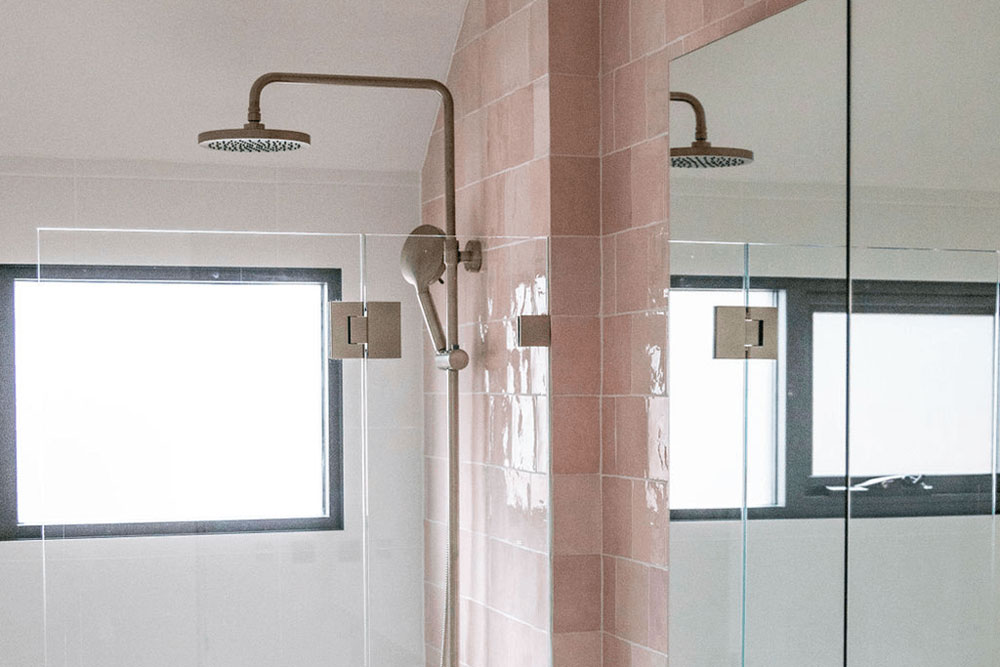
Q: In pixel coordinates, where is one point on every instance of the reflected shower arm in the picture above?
(700, 128)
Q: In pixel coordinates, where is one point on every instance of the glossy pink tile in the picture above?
(648, 26)
(518, 507)
(575, 183)
(683, 18)
(515, 65)
(473, 23)
(648, 342)
(542, 138)
(576, 122)
(617, 355)
(617, 515)
(432, 176)
(576, 649)
(541, 202)
(718, 9)
(650, 164)
(470, 148)
(608, 444)
(659, 592)
(641, 436)
(576, 355)
(608, 276)
(464, 77)
(576, 434)
(539, 39)
(614, 34)
(576, 514)
(617, 653)
(496, 11)
(576, 593)
(658, 94)
(616, 191)
(517, 200)
(608, 573)
(516, 576)
(574, 33)
(607, 84)
(576, 275)
(632, 601)
(630, 104)
(650, 522)
(642, 657)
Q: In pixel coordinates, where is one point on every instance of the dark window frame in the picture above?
(807, 496)
(9, 528)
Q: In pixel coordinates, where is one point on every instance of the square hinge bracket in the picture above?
(534, 331)
(746, 333)
(356, 327)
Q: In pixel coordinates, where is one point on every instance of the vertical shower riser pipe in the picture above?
(449, 656)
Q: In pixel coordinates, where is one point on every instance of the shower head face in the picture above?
(253, 138)
(422, 259)
(703, 155)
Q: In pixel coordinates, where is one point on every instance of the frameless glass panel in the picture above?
(794, 584)
(193, 403)
(707, 413)
(922, 432)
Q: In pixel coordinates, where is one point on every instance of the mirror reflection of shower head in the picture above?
(422, 263)
(701, 154)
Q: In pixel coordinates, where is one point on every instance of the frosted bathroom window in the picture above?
(169, 401)
(921, 393)
(706, 409)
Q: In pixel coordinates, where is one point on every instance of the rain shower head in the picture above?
(253, 138)
(701, 154)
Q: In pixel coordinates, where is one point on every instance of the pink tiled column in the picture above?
(635, 164)
(561, 132)
(499, 78)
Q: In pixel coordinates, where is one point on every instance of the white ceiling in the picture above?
(924, 93)
(138, 79)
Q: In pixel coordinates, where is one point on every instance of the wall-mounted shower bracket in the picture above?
(356, 327)
(472, 256)
(453, 360)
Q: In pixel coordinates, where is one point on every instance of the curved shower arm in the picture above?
(700, 128)
(452, 254)
(253, 116)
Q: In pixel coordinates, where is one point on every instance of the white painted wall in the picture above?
(232, 600)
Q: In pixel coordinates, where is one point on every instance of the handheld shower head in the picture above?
(422, 263)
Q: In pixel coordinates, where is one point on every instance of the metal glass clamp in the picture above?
(357, 327)
(746, 332)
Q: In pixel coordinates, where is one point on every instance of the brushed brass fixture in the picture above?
(418, 258)
(701, 153)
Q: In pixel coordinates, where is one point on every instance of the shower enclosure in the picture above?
(836, 504)
(198, 483)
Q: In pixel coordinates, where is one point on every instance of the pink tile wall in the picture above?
(561, 132)
(500, 81)
(638, 40)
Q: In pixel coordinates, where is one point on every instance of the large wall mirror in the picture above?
(836, 505)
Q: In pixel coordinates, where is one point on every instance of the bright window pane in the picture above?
(706, 409)
(141, 402)
(920, 394)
